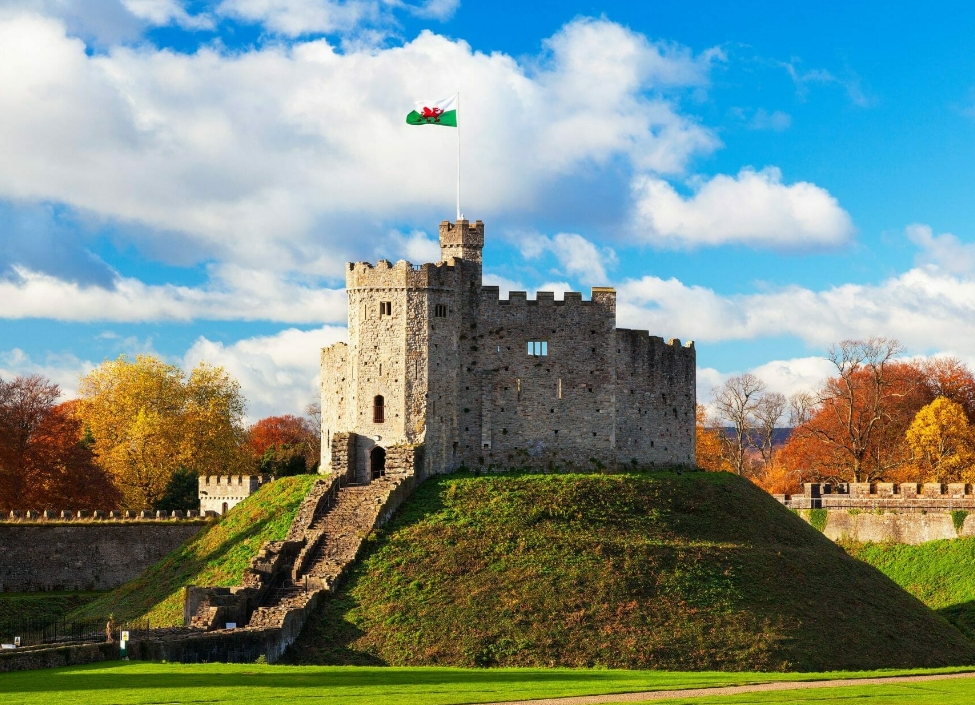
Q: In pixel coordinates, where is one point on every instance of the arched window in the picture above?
(379, 409)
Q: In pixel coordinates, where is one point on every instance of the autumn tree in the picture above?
(148, 419)
(855, 404)
(707, 443)
(285, 445)
(45, 462)
(941, 439)
(951, 378)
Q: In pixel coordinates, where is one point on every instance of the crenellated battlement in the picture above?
(402, 275)
(600, 296)
(883, 495)
(95, 516)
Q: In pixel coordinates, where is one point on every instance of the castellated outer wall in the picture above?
(449, 358)
(83, 556)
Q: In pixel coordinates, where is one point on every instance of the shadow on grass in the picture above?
(961, 617)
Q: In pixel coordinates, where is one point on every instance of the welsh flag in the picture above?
(434, 112)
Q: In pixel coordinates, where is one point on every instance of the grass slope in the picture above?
(700, 571)
(138, 683)
(217, 555)
(939, 573)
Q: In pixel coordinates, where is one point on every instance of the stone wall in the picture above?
(342, 459)
(84, 555)
(656, 399)
(29, 659)
(890, 527)
(335, 398)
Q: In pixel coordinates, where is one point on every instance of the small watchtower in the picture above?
(463, 239)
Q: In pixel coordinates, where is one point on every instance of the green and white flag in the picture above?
(434, 112)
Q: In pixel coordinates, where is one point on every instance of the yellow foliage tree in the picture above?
(941, 440)
(708, 444)
(148, 419)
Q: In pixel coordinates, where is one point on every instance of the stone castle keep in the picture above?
(440, 372)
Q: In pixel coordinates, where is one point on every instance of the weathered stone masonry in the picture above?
(437, 360)
(84, 555)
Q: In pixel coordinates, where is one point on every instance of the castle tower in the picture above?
(463, 239)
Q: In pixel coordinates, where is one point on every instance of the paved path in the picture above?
(731, 690)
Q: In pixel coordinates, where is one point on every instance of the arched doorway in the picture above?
(377, 462)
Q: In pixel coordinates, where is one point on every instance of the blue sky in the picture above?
(188, 178)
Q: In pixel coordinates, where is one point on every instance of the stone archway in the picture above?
(377, 462)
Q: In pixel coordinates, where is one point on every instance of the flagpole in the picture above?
(458, 155)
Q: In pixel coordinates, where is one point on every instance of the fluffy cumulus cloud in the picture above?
(752, 208)
(944, 252)
(926, 308)
(576, 256)
(278, 374)
(271, 157)
(232, 294)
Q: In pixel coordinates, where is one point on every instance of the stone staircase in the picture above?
(332, 541)
(287, 578)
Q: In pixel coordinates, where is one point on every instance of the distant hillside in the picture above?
(699, 571)
(939, 573)
(217, 555)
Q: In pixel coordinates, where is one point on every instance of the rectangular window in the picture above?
(560, 388)
(440, 310)
(538, 348)
(385, 308)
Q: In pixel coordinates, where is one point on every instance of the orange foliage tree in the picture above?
(280, 444)
(45, 461)
(708, 444)
(857, 428)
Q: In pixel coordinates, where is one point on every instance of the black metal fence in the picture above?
(59, 631)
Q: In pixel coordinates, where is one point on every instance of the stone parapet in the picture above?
(74, 516)
(904, 497)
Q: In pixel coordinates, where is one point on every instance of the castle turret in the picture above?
(463, 239)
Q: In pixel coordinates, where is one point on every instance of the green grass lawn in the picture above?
(137, 683)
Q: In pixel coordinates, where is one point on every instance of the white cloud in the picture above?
(290, 156)
(945, 251)
(164, 12)
(925, 308)
(577, 256)
(64, 369)
(293, 18)
(754, 208)
(416, 247)
(231, 294)
(278, 374)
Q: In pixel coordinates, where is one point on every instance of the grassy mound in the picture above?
(217, 555)
(939, 573)
(700, 571)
